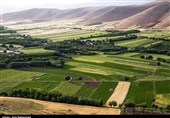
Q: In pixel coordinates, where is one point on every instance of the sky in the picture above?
(16, 5)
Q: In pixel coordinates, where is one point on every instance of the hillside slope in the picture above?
(150, 15)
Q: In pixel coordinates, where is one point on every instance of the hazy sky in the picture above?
(15, 5)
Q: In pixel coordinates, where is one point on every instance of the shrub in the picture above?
(126, 78)
(142, 56)
(130, 104)
(158, 63)
(168, 107)
(3, 65)
(67, 78)
(112, 103)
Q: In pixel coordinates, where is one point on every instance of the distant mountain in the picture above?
(152, 15)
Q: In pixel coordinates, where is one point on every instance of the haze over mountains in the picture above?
(152, 15)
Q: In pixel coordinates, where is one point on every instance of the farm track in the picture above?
(119, 93)
(58, 108)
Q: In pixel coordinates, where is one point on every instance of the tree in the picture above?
(130, 104)
(53, 99)
(168, 107)
(4, 51)
(67, 78)
(112, 103)
(4, 45)
(11, 46)
(161, 109)
(158, 63)
(7, 61)
(80, 78)
(154, 106)
(168, 53)
(150, 57)
(142, 56)
(126, 78)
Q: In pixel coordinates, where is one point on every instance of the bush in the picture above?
(158, 63)
(150, 57)
(142, 57)
(130, 104)
(126, 78)
(3, 65)
(112, 103)
(19, 64)
(67, 78)
(168, 107)
(4, 94)
(80, 78)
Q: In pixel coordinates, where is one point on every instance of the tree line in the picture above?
(51, 96)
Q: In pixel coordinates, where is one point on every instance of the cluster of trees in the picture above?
(144, 106)
(72, 46)
(154, 38)
(87, 53)
(150, 57)
(52, 96)
(159, 48)
(55, 59)
(161, 59)
(128, 37)
(26, 41)
(56, 63)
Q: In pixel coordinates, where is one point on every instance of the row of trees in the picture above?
(52, 96)
(26, 42)
(144, 107)
(55, 63)
(72, 46)
(55, 59)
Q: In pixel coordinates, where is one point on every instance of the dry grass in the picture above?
(30, 106)
(119, 93)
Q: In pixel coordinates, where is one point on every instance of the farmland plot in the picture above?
(104, 91)
(68, 88)
(119, 93)
(141, 93)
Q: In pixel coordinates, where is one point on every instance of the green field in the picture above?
(86, 91)
(100, 73)
(70, 35)
(141, 93)
(35, 50)
(11, 78)
(134, 43)
(104, 91)
(68, 88)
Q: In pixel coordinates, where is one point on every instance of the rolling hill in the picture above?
(152, 15)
